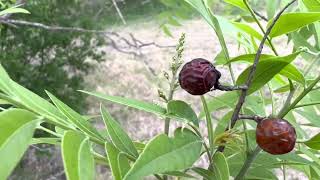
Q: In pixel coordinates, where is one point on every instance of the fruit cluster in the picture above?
(275, 136)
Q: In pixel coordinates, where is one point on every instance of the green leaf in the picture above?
(201, 7)
(226, 100)
(206, 174)
(314, 142)
(272, 7)
(173, 21)
(117, 135)
(30, 100)
(182, 110)
(311, 115)
(13, 10)
(164, 154)
(220, 168)
(116, 161)
(144, 106)
(238, 3)
(222, 124)
(77, 158)
(245, 28)
(16, 130)
(124, 164)
(75, 118)
(250, 58)
(231, 28)
(182, 175)
(283, 89)
(292, 21)
(312, 5)
(220, 59)
(265, 71)
(166, 30)
(290, 71)
(261, 174)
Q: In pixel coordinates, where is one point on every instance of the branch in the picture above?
(260, 15)
(130, 46)
(228, 88)
(251, 117)
(244, 92)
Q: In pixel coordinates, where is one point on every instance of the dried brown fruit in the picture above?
(275, 136)
(198, 76)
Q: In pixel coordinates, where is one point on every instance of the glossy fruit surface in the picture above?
(198, 76)
(275, 136)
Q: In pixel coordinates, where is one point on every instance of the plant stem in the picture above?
(209, 121)
(171, 91)
(204, 144)
(286, 110)
(49, 131)
(307, 104)
(272, 100)
(247, 164)
(284, 170)
(100, 158)
(260, 26)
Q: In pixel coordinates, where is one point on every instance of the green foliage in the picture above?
(266, 70)
(117, 135)
(183, 110)
(77, 158)
(220, 169)
(314, 142)
(175, 155)
(184, 148)
(17, 127)
(56, 61)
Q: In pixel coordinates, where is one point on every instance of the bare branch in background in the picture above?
(131, 46)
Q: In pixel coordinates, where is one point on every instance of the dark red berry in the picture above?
(275, 136)
(198, 76)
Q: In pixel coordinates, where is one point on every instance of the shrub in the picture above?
(235, 145)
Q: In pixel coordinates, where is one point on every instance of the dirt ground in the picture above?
(129, 76)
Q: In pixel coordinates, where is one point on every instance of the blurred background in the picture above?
(118, 47)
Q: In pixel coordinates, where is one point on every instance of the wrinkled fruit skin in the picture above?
(275, 136)
(198, 76)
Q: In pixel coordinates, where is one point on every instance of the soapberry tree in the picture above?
(266, 109)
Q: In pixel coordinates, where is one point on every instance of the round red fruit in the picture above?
(275, 136)
(198, 76)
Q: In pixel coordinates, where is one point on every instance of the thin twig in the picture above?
(136, 44)
(228, 88)
(244, 92)
(260, 26)
(260, 15)
(251, 117)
